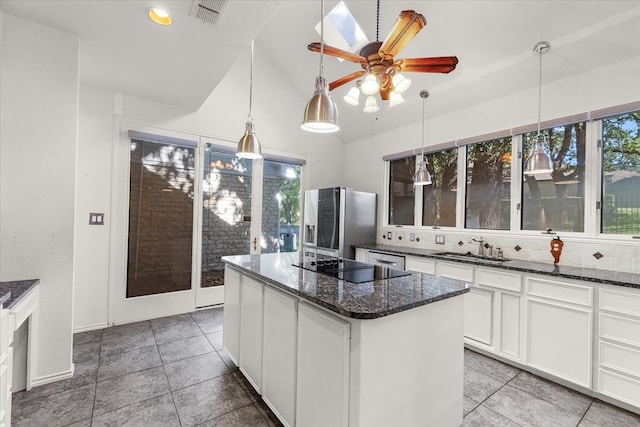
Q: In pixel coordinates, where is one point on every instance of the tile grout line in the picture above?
(489, 396)
(585, 413)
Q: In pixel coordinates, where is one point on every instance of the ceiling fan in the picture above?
(378, 62)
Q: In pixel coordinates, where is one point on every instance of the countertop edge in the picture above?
(593, 275)
(16, 289)
(335, 309)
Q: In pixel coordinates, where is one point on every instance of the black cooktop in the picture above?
(348, 269)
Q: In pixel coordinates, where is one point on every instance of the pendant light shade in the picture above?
(352, 96)
(321, 113)
(539, 161)
(422, 176)
(400, 83)
(370, 84)
(395, 99)
(249, 146)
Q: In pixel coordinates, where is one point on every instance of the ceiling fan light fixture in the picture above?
(371, 106)
(352, 96)
(395, 99)
(400, 83)
(370, 85)
(321, 113)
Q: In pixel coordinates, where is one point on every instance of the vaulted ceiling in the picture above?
(120, 49)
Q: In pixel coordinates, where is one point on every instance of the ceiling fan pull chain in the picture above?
(378, 23)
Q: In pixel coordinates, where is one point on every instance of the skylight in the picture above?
(342, 31)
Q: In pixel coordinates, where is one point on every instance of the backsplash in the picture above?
(622, 256)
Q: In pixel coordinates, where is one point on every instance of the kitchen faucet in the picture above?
(480, 245)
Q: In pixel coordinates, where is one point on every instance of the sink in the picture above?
(470, 257)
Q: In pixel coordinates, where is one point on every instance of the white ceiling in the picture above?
(123, 51)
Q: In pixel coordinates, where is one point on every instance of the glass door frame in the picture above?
(123, 309)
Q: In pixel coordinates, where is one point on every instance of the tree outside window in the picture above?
(556, 200)
(439, 198)
(621, 174)
(488, 192)
(401, 191)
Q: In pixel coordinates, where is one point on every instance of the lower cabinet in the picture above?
(251, 318)
(478, 316)
(619, 344)
(559, 329)
(323, 369)
(279, 354)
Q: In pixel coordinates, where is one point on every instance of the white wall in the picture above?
(38, 121)
(604, 87)
(277, 112)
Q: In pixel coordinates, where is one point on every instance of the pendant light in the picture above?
(422, 176)
(249, 146)
(539, 161)
(321, 113)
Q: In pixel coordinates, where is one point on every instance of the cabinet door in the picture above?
(362, 255)
(323, 369)
(251, 298)
(478, 315)
(279, 354)
(559, 340)
(510, 325)
(231, 334)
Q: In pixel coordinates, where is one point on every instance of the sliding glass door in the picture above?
(182, 203)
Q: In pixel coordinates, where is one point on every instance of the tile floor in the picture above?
(172, 372)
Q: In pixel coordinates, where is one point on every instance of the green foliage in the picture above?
(621, 142)
(290, 199)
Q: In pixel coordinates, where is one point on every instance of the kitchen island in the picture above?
(325, 351)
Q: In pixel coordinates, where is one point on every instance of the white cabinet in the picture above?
(455, 271)
(619, 344)
(323, 369)
(478, 316)
(279, 354)
(6, 371)
(559, 329)
(231, 335)
(421, 265)
(362, 255)
(251, 321)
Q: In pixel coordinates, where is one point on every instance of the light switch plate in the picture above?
(389, 235)
(96, 218)
(439, 239)
(412, 237)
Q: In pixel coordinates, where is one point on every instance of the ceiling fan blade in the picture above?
(338, 53)
(440, 64)
(408, 24)
(345, 79)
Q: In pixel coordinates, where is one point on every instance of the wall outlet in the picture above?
(389, 235)
(412, 236)
(439, 239)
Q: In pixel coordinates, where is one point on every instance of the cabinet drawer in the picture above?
(560, 291)
(499, 279)
(421, 265)
(620, 301)
(618, 357)
(619, 386)
(620, 329)
(455, 271)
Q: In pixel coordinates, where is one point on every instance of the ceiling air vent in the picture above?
(208, 10)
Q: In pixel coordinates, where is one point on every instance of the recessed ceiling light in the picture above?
(159, 16)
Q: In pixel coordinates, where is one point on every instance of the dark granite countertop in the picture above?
(367, 300)
(594, 275)
(12, 292)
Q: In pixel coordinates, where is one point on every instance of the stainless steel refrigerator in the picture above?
(336, 218)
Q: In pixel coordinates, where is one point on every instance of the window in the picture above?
(280, 207)
(620, 213)
(401, 191)
(556, 200)
(439, 198)
(488, 191)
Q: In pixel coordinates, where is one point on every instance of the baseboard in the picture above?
(91, 327)
(53, 377)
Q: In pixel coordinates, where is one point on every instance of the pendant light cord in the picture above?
(321, 38)
(250, 118)
(540, 89)
(422, 143)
